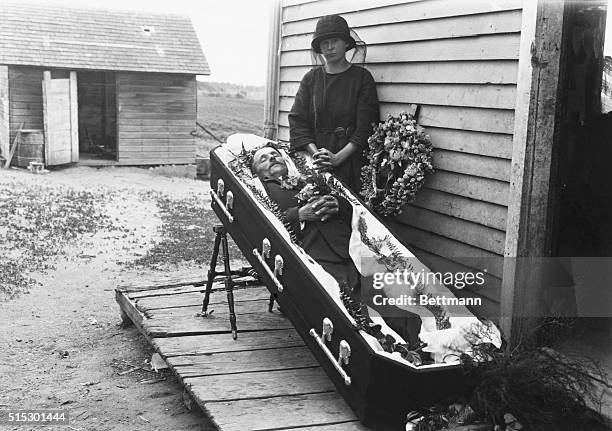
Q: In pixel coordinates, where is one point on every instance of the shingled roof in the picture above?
(87, 38)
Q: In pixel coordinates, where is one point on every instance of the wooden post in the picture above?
(528, 230)
(272, 82)
(74, 117)
(5, 134)
(46, 91)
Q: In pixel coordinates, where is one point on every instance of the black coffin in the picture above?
(381, 390)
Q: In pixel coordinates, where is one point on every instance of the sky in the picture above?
(233, 33)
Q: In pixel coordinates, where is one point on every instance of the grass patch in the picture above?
(37, 224)
(187, 235)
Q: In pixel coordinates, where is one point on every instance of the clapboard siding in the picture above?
(483, 189)
(475, 48)
(4, 111)
(464, 231)
(459, 62)
(155, 116)
(451, 27)
(490, 289)
(376, 12)
(473, 210)
(449, 72)
(464, 141)
(456, 251)
(25, 99)
(450, 117)
(468, 95)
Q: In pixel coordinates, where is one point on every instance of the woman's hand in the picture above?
(325, 160)
(319, 208)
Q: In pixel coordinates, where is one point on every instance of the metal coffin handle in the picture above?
(278, 263)
(344, 351)
(218, 198)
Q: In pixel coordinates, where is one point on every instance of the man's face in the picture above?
(268, 164)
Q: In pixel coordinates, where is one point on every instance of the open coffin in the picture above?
(381, 387)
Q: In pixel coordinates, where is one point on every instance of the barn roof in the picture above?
(88, 38)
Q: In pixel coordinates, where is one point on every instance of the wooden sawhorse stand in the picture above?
(228, 273)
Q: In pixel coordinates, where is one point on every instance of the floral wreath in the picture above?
(399, 156)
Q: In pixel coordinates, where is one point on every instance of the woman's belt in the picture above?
(340, 132)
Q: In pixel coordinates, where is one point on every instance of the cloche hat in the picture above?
(332, 26)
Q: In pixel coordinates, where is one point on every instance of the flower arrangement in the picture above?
(309, 182)
(399, 157)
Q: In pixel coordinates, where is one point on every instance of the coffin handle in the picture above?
(328, 329)
(220, 187)
(229, 200)
(278, 264)
(218, 198)
(266, 247)
(343, 354)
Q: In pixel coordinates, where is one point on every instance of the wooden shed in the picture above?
(498, 83)
(106, 86)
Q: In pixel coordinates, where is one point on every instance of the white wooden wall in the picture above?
(4, 111)
(459, 61)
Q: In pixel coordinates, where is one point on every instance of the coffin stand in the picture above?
(381, 390)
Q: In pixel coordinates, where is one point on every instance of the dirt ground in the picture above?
(62, 344)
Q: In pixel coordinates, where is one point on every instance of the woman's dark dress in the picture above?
(331, 110)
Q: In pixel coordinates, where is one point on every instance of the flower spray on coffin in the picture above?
(400, 156)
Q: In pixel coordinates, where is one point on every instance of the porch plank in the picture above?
(243, 362)
(218, 343)
(232, 387)
(281, 412)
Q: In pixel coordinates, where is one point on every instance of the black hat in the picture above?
(332, 26)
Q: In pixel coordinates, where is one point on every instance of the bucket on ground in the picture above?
(31, 147)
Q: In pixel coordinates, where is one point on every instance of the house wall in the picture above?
(4, 111)
(155, 115)
(25, 98)
(459, 62)
(97, 109)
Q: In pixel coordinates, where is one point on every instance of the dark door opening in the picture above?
(582, 225)
(97, 116)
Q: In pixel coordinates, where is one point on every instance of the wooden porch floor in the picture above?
(265, 380)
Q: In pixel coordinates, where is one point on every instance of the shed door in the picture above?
(61, 121)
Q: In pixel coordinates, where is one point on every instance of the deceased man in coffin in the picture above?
(323, 225)
(327, 251)
(331, 225)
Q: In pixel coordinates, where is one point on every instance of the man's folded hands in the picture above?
(319, 208)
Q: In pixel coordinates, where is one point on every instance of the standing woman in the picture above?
(336, 103)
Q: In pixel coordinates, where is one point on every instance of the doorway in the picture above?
(582, 214)
(97, 116)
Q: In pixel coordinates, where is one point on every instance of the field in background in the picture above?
(224, 116)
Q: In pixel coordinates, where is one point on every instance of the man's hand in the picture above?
(319, 208)
(324, 206)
